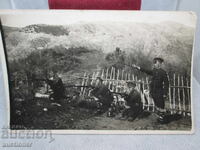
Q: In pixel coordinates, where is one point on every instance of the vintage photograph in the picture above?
(99, 70)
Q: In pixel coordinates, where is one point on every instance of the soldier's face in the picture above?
(157, 65)
(56, 77)
(98, 82)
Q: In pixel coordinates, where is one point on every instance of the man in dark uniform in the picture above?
(103, 94)
(133, 99)
(57, 87)
(159, 83)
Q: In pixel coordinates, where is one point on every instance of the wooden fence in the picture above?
(179, 99)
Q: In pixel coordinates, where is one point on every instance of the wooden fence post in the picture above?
(142, 95)
(133, 77)
(179, 99)
(110, 79)
(113, 79)
(174, 95)
(91, 83)
(183, 97)
(107, 71)
(93, 78)
(102, 74)
(122, 78)
(117, 86)
(170, 98)
(83, 82)
(86, 83)
(188, 93)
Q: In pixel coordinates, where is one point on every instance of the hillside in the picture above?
(169, 40)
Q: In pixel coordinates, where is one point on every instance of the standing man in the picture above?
(159, 83)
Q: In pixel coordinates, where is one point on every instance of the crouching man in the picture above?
(57, 87)
(103, 95)
(133, 100)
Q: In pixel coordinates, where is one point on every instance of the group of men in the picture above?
(158, 89)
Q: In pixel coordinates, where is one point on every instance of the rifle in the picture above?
(121, 94)
(86, 86)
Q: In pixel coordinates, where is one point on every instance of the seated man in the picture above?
(103, 94)
(133, 100)
(57, 87)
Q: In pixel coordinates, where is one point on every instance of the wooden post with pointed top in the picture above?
(86, 83)
(110, 79)
(183, 96)
(143, 96)
(117, 88)
(122, 75)
(188, 95)
(83, 83)
(179, 99)
(113, 82)
(93, 76)
(107, 71)
(174, 94)
(170, 96)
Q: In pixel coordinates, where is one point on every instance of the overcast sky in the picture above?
(23, 18)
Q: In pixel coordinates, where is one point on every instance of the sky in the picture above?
(19, 18)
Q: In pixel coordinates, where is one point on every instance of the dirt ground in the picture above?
(148, 123)
(72, 116)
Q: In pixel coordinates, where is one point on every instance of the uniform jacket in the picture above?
(159, 82)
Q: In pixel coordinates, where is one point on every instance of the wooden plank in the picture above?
(170, 96)
(83, 82)
(133, 77)
(142, 91)
(126, 76)
(179, 99)
(189, 98)
(148, 98)
(117, 82)
(129, 77)
(136, 81)
(151, 99)
(102, 74)
(92, 82)
(174, 94)
(93, 76)
(122, 75)
(107, 71)
(110, 81)
(113, 78)
(86, 83)
(182, 79)
(96, 75)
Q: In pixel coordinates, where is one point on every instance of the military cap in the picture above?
(158, 59)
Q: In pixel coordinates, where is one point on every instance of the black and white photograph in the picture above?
(99, 71)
